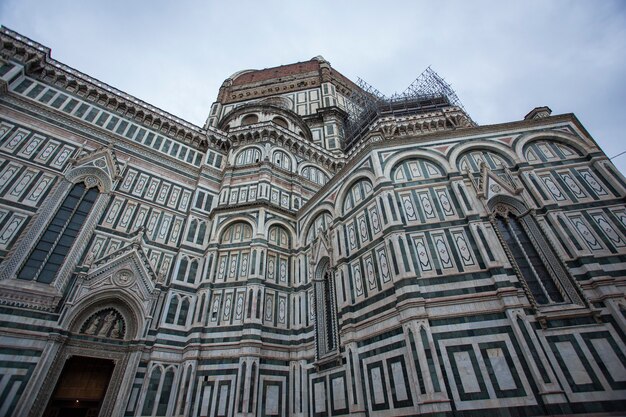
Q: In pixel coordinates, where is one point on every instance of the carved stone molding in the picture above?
(119, 356)
(39, 64)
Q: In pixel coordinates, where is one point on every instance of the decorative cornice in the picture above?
(260, 203)
(448, 118)
(236, 93)
(99, 135)
(268, 131)
(38, 63)
(475, 131)
(35, 297)
(267, 108)
(233, 92)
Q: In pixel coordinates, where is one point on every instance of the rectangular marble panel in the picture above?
(141, 184)
(466, 372)
(501, 369)
(152, 189)
(47, 151)
(32, 146)
(43, 184)
(339, 393)
(378, 395)
(320, 397)
(613, 364)
(17, 137)
(223, 404)
(397, 373)
(7, 175)
(271, 400)
(573, 363)
(206, 400)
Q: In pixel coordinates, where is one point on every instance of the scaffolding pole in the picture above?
(366, 103)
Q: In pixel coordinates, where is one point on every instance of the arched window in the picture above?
(528, 261)
(249, 119)
(248, 156)
(278, 257)
(233, 259)
(472, 160)
(193, 271)
(415, 170)
(542, 151)
(242, 384)
(46, 259)
(281, 122)
(359, 191)
(533, 257)
(321, 222)
(250, 297)
(153, 386)
(171, 311)
(185, 393)
(314, 174)
(325, 323)
(182, 269)
(258, 304)
(282, 160)
(200, 312)
(278, 236)
(237, 233)
(252, 387)
(201, 234)
(184, 311)
(193, 225)
(166, 392)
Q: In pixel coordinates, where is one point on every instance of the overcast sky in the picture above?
(502, 58)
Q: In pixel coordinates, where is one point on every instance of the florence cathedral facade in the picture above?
(315, 249)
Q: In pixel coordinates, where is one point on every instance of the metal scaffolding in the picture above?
(428, 92)
(429, 83)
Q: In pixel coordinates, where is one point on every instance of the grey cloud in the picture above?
(503, 58)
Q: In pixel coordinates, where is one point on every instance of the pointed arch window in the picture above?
(534, 259)
(201, 234)
(46, 259)
(153, 387)
(171, 312)
(242, 382)
(331, 342)
(185, 394)
(326, 316)
(184, 310)
(166, 392)
(182, 269)
(193, 225)
(193, 271)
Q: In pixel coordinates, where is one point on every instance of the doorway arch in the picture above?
(99, 344)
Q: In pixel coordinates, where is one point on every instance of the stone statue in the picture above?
(93, 326)
(108, 323)
(117, 330)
